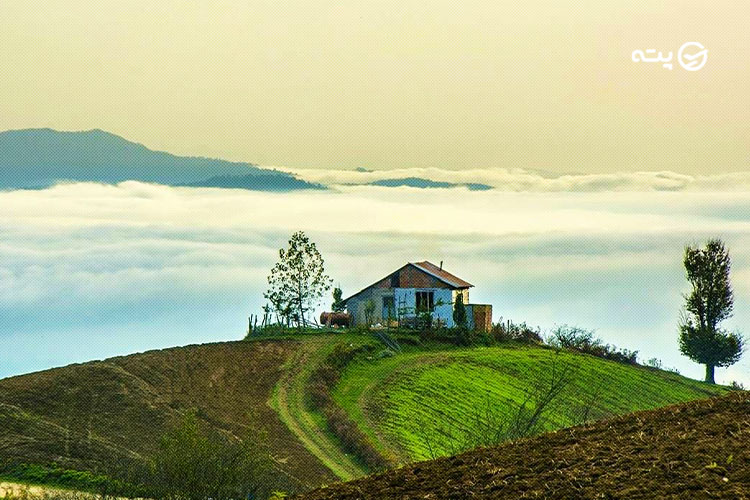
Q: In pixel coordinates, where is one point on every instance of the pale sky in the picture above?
(389, 83)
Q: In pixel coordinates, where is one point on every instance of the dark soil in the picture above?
(690, 451)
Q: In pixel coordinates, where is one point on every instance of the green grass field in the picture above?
(414, 399)
(411, 405)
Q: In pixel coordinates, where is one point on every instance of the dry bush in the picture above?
(573, 338)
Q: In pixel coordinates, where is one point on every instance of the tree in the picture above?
(459, 312)
(369, 312)
(338, 303)
(298, 280)
(709, 302)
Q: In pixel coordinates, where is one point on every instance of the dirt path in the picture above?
(289, 401)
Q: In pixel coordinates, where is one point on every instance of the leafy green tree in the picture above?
(459, 312)
(709, 302)
(298, 280)
(338, 302)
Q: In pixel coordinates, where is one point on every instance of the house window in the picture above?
(425, 301)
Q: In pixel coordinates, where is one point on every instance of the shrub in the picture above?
(463, 336)
(573, 338)
(655, 363)
(485, 338)
(386, 353)
(445, 335)
(459, 312)
(193, 465)
(508, 331)
(412, 340)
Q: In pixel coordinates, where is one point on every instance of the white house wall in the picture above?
(405, 301)
(444, 312)
(407, 298)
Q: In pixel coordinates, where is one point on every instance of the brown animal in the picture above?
(341, 319)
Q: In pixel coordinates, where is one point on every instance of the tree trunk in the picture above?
(710, 374)
(301, 323)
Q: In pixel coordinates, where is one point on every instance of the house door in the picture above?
(389, 308)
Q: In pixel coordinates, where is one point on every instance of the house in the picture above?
(416, 288)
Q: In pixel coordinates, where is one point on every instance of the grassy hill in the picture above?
(432, 398)
(693, 450)
(97, 415)
(412, 405)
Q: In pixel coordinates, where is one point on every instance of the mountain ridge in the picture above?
(38, 158)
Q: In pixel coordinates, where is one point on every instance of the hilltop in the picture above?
(39, 158)
(693, 450)
(401, 406)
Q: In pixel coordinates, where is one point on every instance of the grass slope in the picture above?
(693, 450)
(419, 398)
(96, 415)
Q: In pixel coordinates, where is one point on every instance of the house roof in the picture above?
(428, 268)
(441, 274)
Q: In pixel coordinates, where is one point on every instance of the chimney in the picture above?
(441, 265)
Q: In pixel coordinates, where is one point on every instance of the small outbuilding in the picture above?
(413, 290)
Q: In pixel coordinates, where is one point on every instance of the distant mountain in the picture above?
(39, 158)
(418, 182)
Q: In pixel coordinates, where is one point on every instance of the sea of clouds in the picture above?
(89, 271)
(521, 180)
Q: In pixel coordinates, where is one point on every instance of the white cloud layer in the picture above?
(112, 269)
(520, 180)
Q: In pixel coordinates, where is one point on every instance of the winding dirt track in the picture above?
(289, 402)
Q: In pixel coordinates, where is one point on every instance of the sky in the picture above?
(541, 84)
(603, 168)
